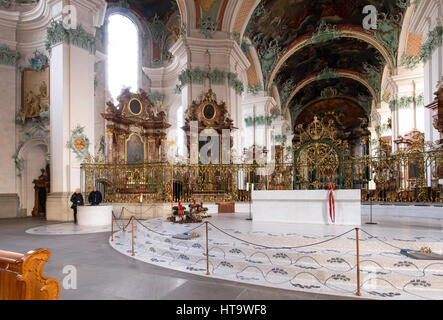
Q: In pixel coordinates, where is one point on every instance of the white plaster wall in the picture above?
(7, 125)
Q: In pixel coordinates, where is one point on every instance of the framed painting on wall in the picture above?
(135, 149)
(35, 93)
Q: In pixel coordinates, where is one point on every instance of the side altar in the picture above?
(136, 129)
(306, 206)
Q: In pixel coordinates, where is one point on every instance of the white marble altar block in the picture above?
(306, 206)
(93, 216)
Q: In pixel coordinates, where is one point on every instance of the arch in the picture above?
(404, 34)
(254, 76)
(341, 73)
(313, 102)
(33, 163)
(243, 13)
(342, 32)
(183, 11)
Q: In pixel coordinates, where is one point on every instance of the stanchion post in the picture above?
(358, 262)
(207, 250)
(132, 221)
(112, 227)
(123, 220)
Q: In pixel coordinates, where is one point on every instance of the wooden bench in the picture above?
(21, 276)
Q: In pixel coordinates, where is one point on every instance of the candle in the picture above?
(247, 186)
(252, 187)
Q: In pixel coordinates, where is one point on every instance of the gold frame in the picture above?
(141, 107)
(203, 109)
(126, 146)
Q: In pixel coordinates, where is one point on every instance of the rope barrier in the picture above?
(116, 221)
(248, 242)
(282, 248)
(165, 234)
(380, 240)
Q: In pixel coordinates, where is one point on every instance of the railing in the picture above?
(402, 177)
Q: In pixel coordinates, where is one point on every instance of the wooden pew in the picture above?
(22, 278)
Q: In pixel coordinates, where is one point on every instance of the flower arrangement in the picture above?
(193, 215)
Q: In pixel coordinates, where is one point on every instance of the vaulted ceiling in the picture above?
(148, 8)
(307, 46)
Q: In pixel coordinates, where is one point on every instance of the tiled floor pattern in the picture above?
(325, 268)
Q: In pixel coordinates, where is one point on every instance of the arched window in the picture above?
(123, 58)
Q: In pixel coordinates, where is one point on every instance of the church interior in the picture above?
(221, 149)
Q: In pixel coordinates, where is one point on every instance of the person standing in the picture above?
(77, 200)
(95, 197)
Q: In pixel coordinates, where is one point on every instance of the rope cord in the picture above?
(281, 248)
(248, 242)
(164, 234)
(380, 240)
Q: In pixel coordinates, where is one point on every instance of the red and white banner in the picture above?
(331, 189)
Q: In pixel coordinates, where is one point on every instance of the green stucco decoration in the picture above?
(56, 33)
(156, 97)
(79, 142)
(434, 40)
(38, 61)
(254, 90)
(325, 32)
(217, 77)
(208, 26)
(407, 102)
(8, 56)
(410, 62)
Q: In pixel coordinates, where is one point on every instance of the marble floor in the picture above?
(105, 274)
(67, 228)
(264, 254)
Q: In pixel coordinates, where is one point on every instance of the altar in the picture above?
(93, 216)
(306, 206)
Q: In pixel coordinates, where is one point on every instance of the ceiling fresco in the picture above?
(330, 88)
(343, 53)
(148, 8)
(285, 21)
(276, 25)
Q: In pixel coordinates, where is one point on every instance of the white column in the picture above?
(72, 104)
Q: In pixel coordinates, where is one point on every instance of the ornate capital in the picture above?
(8, 56)
(56, 33)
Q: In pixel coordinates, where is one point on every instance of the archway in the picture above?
(34, 154)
